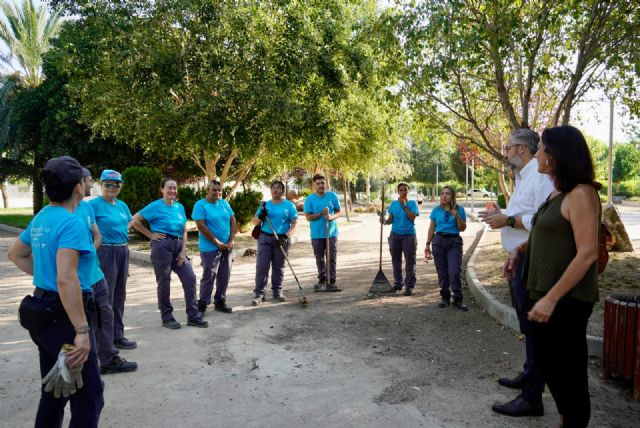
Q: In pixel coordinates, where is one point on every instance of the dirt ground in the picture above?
(343, 361)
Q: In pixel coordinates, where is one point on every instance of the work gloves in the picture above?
(263, 211)
(61, 379)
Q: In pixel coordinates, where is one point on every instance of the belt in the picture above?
(115, 245)
(271, 234)
(174, 237)
(41, 293)
(448, 235)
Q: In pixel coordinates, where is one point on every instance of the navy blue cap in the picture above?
(66, 168)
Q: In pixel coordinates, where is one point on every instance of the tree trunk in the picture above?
(5, 195)
(38, 190)
(346, 201)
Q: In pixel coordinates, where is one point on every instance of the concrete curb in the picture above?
(504, 314)
(11, 229)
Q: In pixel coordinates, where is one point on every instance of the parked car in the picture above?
(480, 193)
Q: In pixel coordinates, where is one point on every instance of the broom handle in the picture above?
(381, 225)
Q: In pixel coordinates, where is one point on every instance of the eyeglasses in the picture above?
(506, 148)
(112, 185)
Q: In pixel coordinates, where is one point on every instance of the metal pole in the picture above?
(610, 166)
(466, 183)
(473, 182)
(437, 172)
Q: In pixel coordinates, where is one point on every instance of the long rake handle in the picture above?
(381, 225)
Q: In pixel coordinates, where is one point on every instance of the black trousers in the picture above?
(560, 348)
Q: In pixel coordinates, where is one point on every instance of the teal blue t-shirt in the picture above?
(112, 220)
(281, 216)
(54, 228)
(313, 205)
(446, 223)
(163, 218)
(88, 275)
(401, 224)
(217, 217)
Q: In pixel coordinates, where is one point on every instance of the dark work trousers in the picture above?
(533, 380)
(102, 322)
(319, 250)
(269, 256)
(447, 256)
(560, 347)
(87, 402)
(164, 256)
(114, 262)
(216, 267)
(407, 245)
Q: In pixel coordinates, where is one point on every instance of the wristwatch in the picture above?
(83, 329)
(511, 221)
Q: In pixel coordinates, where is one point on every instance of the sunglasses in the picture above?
(112, 185)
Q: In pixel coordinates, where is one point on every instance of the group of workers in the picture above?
(77, 252)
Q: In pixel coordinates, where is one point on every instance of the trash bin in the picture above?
(621, 341)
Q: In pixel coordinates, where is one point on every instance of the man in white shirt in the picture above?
(531, 190)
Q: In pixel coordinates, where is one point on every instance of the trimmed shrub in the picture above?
(141, 186)
(188, 196)
(245, 205)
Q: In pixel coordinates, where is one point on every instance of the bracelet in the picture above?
(83, 329)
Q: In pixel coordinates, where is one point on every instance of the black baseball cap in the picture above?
(68, 170)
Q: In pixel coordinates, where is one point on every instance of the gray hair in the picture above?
(527, 137)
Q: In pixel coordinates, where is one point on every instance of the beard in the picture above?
(515, 163)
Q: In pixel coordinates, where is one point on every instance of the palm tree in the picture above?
(27, 31)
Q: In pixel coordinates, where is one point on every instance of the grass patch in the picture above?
(16, 217)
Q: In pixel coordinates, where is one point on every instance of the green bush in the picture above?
(245, 205)
(501, 201)
(141, 186)
(628, 188)
(188, 196)
(304, 192)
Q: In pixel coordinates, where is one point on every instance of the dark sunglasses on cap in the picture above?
(112, 185)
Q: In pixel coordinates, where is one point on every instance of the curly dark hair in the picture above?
(569, 157)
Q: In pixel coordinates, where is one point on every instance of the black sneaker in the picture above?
(257, 299)
(408, 292)
(119, 365)
(197, 322)
(397, 288)
(333, 288)
(444, 304)
(172, 324)
(279, 297)
(124, 343)
(460, 306)
(222, 307)
(320, 286)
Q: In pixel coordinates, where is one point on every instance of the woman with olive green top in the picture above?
(560, 270)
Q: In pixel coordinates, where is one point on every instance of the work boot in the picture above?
(118, 365)
(257, 299)
(320, 286)
(397, 288)
(124, 343)
(201, 310)
(408, 292)
(222, 307)
(172, 324)
(197, 322)
(444, 303)
(459, 305)
(333, 287)
(279, 296)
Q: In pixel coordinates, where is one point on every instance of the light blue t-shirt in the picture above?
(401, 224)
(88, 275)
(313, 205)
(217, 217)
(112, 220)
(51, 229)
(281, 216)
(163, 218)
(446, 223)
